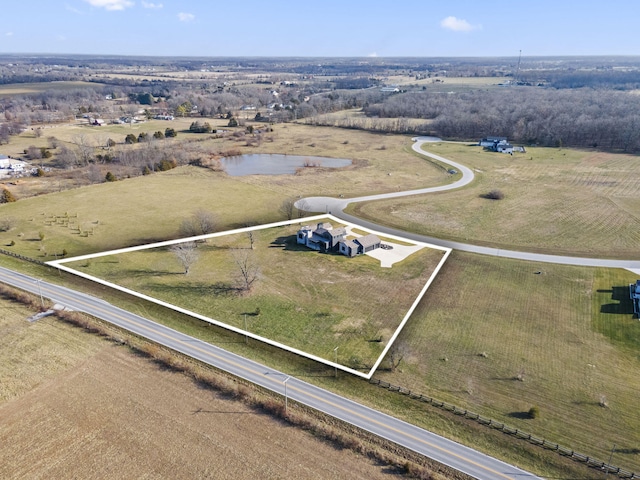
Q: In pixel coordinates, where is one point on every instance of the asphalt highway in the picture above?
(419, 440)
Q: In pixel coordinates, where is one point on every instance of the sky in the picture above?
(325, 28)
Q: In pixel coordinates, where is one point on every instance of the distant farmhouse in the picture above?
(10, 167)
(634, 293)
(499, 144)
(325, 238)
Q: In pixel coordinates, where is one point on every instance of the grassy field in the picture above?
(563, 340)
(448, 84)
(411, 374)
(556, 201)
(558, 331)
(73, 405)
(11, 89)
(71, 133)
(131, 212)
(309, 301)
(159, 202)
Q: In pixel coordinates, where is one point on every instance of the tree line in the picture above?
(534, 116)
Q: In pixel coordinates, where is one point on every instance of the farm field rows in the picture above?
(76, 406)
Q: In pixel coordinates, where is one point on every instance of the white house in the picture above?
(634, 293)
(324, 238)
(490, 142)
(10, 166)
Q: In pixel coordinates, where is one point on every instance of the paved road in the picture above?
(426, 443)
(336, 207)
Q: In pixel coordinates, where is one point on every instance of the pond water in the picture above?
(271, 164)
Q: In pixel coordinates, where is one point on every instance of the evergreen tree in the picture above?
(6, 196)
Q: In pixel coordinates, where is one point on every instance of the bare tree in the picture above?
(303, 207)
(288, 208)
(201, 222)
(86, 149)
(396, 354)
(67, 157)
(186, 253)
(248, 270)
(251, 238)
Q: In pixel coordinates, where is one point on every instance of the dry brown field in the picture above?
(73, 405)
(34, 88)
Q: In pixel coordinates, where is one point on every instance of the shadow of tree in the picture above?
(520, 415)
(198, 289)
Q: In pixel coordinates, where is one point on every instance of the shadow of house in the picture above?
(626, 304)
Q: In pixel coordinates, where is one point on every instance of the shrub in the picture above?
(232, 122)
(131, 138)
(170, 132)
(110, 177)
(534, 412)
(165, 165)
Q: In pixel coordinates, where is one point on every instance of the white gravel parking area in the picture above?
(388, 257)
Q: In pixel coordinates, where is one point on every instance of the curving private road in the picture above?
(336, 207)
(445, 451)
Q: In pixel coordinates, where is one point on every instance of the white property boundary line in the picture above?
(60, 264)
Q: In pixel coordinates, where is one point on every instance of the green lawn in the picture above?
(306, 300)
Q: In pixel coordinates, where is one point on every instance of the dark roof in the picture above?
(494, 139)
(351, 244)
(336, 232)
(368, 240)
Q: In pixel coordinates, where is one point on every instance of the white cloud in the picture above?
(458, 25)
(8, 34)
(186, 17)
(111, 4)
(74, 10)
(373, 55)
(151, 5)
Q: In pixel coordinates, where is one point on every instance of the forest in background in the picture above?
(584, 102)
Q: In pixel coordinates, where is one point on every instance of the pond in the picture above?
(272, 164)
